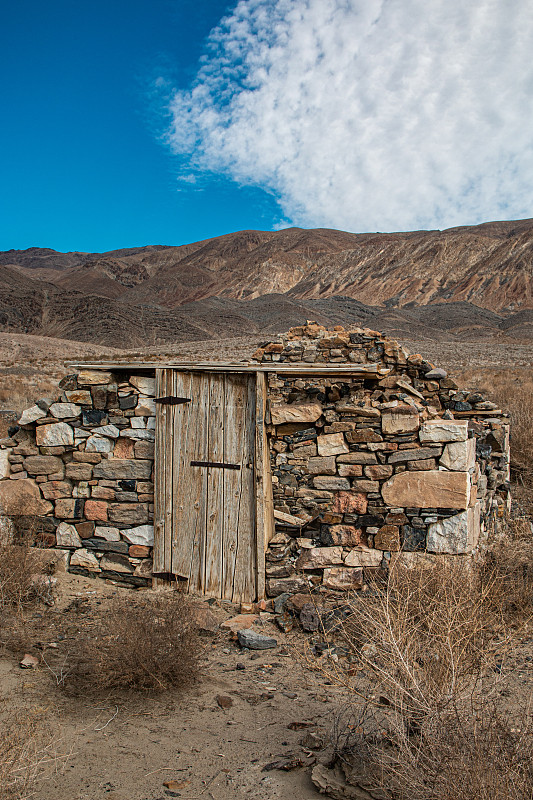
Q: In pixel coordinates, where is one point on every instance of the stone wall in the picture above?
(374, 468)
(365, 469)
(79, 473)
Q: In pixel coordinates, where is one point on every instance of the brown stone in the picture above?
(414, 454)
(357, 411)
(96, 509)
(350, 503)
(274, 347)
(79, 472)
(22, 497)
(357, 458)
(378, 472)
(43, 465)
(431, 489)
(295, 412)
(344, 535)
(298, 601)
(319, 557)
(363, 436)
(54, 490)
(366, 486)
(425, 464)
(69, 508)
(387, 538)
(331, 519)
(128, 513)
(86, 458)
(139, 551)
(331, 483)
(144, 450)
(350, 470)
(124, 448)
(85, 529)
(343, 579)
(103, 493)
(324, 465)
(363, 557)
(401, 419)
(123, 469)
(240, 622)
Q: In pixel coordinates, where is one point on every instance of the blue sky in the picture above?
(130, 122)
(81, 163)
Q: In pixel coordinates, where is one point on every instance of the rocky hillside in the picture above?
(468, 283)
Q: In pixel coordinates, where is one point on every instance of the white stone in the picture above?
(64, 410)
(67, 536)
(150, 423)
(111, 431)
(145, 407)
(143, 384)
(137, 422)
(31, 415)
(4, 463)
(332, 444)
(444, 430)
(83, 558)
(138, 433)
(55, 435)
(97, 444)
(457, 534)
(142, 534)
(459, 456)
(363, 557)
(109, 534)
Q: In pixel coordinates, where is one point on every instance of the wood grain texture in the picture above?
(215, 517)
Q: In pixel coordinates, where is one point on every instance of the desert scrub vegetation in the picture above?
(21, 583)
(432, 711)
(139, 644)
(512, 389)
(28, 752)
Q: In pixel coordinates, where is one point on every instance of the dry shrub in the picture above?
(432, 722)
(19, 583)
(27, 753)
(138, 644)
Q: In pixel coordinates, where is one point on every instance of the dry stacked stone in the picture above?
(374, 468)
(392, 463)
(78, 472)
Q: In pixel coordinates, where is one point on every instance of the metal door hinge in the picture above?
(172, 401)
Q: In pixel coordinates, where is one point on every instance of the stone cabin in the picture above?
(319, 462)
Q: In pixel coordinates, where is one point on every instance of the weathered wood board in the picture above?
(210, 482)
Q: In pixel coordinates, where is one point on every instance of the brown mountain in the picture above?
(469, 282)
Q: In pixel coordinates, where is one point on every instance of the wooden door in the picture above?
(207, 483)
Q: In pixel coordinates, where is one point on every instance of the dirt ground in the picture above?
(126, 747)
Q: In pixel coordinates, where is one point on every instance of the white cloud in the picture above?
(368, 114)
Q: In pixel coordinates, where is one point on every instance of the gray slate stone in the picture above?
(255, 641)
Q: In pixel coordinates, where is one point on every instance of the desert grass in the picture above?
(432, 719)
(138, 644)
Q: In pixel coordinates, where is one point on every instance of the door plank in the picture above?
(265, 525)
(233, 403)
(162, 479)
(244, 582)
(195, 490)
(214, 534)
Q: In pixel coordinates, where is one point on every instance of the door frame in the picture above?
(262, 482)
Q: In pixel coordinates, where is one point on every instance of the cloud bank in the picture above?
(368, 114)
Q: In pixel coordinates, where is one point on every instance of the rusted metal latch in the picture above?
(172, 401)
(219, 464)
